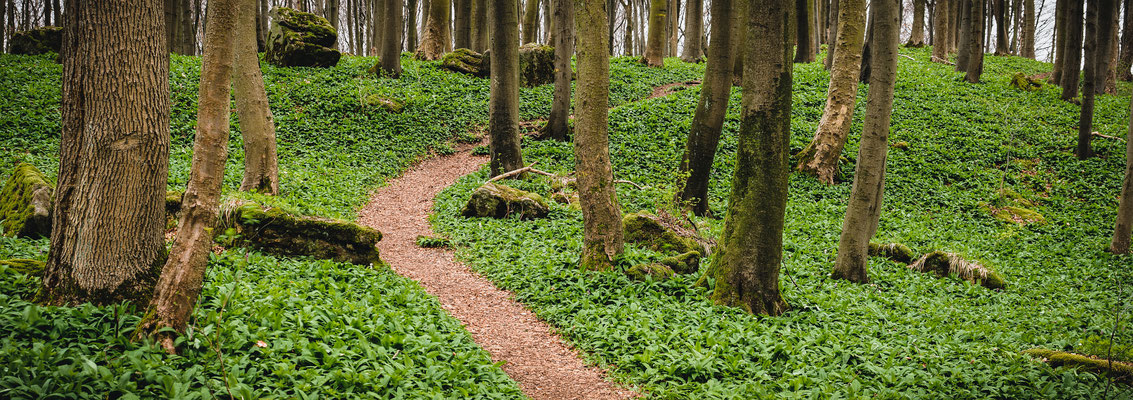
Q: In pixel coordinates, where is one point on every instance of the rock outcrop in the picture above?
(48, 39)
(498, 201)
(273, 230)
(25, 203)
(299, 39)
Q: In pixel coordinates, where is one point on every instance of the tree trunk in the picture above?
(530, 20)
(261, 164)
(375, 14)
(391, 37)
(437, 39)
(627, 8)
(1125, 58)
(1109, 85)
(332, 13)
(1072, 50)
(1059, 40)
(47, 13)
(411, 24)
(694, 30)
(1001, 45)
(965, 39)
(4, 26)
(704, 135)
(1123, 227)
(1099, 30)
(673, 28)
(864, 209)
(1027, 42)
(942, 28)
(916, 38)
(863, 74)
(601, 216)
(804, 9)
(180, 283)
(655, 49)
(832, 33)
(503, 103)
(611, 14)
(975, 60)
(558, 127)
(461, 24)
(746, 265)
(108, 219)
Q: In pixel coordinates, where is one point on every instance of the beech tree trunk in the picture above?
(864, 209)
(437, 39)
(503, 102)
(708, 122)
(1001, 43)
(332, 13)
(558, 127)
(1108, 85)
(863, 75)
(804, 10)
(916, 37)
(1099, 30)
(530, 21)
(942, 28)
(627, 40)
(975, 60)
(965, 39)
(1027, 40)
(1071, 50)
(673, 27)
(391, 37)
(411, 23)
(1125, 58)
(832, 33)
(480, 28)
(261, 164)
(821, 156)
(462, 23)
(108, 219)
(655, 49)
(750, 250)
(694, 31)
(1123, 227)
(602, 239)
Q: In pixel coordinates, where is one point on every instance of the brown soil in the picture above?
(535, 356)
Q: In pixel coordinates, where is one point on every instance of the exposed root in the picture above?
(944, 264)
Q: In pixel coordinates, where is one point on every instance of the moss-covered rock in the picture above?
(1119, 371)
(275, 231)
(41, 40)
(498, 201)
(644, 228)
(686, 263)
(944, 264)
(1025, 83)
(384, 103)
(24, 266)
(893, 251)
(466, 61)
(299, 39)
(25, 203)
(1018, 215)
(643, 272)
(536, 65)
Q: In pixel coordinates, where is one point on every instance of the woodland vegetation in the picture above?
(708, 199)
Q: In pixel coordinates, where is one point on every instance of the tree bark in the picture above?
(673, 27)
(1109, 70)
(832, 34)
(1125, 59)
(602, 239)
(1072, 50)
(1123, 227)
(821, 156)
(107, 243)
(1027, 41)
(261, 164)
(480, 28)
(975, 60)
(332, 13)
(627, 8)
(4, 26)
(503, 102)
(462, 24)
(916, 38)
(530, 20)
(1001, 44)
(942, 27)
(804, 9)
(1059, 40)
(708, 122)
(391, 38)
(864, 209)
(1099, 30)
(863, 75)
(558, 127)
(437, 39)
(655, 49)
(965, 39)
(411, 24)
(694, 30)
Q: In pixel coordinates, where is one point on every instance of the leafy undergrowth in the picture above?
(905, 335)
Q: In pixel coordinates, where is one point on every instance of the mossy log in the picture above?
(644, 228)
(48, 39)
(686, 263)
(1025, 83)
(24, 266)
(25, 203)
(274, 231)
(893, 251)
(1119, 371)
(644, 272)
(299, 39)
(498, 201)
(466, 61)
(944, 264)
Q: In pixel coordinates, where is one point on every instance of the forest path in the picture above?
(535, 356)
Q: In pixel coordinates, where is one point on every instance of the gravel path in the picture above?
(536, 357)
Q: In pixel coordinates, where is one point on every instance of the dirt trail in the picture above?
(536, 357)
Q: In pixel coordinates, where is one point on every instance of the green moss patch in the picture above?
(494, 200)
(25, 203)
(24, 266)
(273, 230)
(686, 263)
(651, 271)
(646, 229)
(1119, 371)
(893, 251)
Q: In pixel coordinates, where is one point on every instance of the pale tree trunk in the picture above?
(411, 23)
(547, 23)
(376, 13)
(503, 102)
(1000, 8)
(832, 33)
(655, 49)
(821, 156)
(563, 15)
(1072, 50)
(261, 24)
(480, 28)
(750, 250)
(437, 39)
(708, 122)
(694, 31)
(462, 23)
(941, 30)
(674, 27)
(602, 239)
(4, 26)
(261, 164)
(916, 38)
(627, 7)
(1099, 31)
(352, 25)
(1123, 227)
(108, 218)
(1125, 57)
(804, 9)
(975, 67)
(391, 38)
(530, 21)
(864, 209)
(1027, 41)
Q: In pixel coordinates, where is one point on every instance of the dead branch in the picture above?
(906, 56)
(941, 60)
(1099, 134)
(528, 168)
(639, 187)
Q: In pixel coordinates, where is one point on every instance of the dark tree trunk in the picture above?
(1123, 227)
(411, 24)
(558, 127)
(975, 60)
(108, 219)
(832, 33)
(437, 39)
(503, 103)
(804, 10)
(1099, 30)
(627, 7)
(1125, 59)
(1072, 50)
(694, 30)
(1001, 44)
(863, 75)
(965, 39)
(4, 26)
(480, 27)
(1027, 42)
(391, 37)
(530, 21)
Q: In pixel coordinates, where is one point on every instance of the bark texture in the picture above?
(916, 37)
(107, 243)
(480, 28)
(694, 31)
(1027, 30)
(965, 34)
(503, 102)
(975, 61)
(655, 48)
(746, 266)
(391, 37)
(437, 39)
(558, 126)
(461, 24)
(1099, 29)
(1001, 32)
(1071, 50)
(1123, 227)
(942, 28)
(261, 163)
(602, 236)
(821, 156)
(864, 209)
(804, 13)
(1125, 58)
(832, 33)
(530, 21)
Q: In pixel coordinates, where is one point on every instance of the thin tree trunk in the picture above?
(832, 33)
(746, 265)
(694, 30)
(1072, 50)
(261, 164)
(352, 25)
(1099, 31)
(1125, 59)
(655, 49)
(916, 38)
(627, 8)
(1110, 68)
(708, 122)
(530, 20)
(391, 38)
(864, 209)
(503, 102)
(1027, 43)
(563, 15)
(480, 27)
(1123, 227)
(332, 13)
(803, 11)
(821, 156)
(965, 39)
(863, 75)
(411, 23)
(47, 13)
(1001, 45)
(941, 30)
(611, 14)
(4, 26)
(674, 13)
(975, 60)
(437, 38)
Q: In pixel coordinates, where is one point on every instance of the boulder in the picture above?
(25, 203)
(645, 229)
(24, 266)
(48, 39)
(944, 264)
(498, 201)
(299, 39)
(466, 61)
(686, 263)
(273, 230)
(536, 65)
(643, 272)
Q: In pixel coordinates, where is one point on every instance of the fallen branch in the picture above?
(528, 168)
(1099, 134)
(909, 57)
(941, 60)
(639, 187)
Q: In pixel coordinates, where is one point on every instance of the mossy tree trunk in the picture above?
(558, 126)
(1123, 227)
(941, 29)
(107, 243)
(1099, 30)
(503, 102)
(821, 156)
(602, 238)
(461, 23)
(1027, 30)
(480, 28)
(391, 37)
(181, 279)
(916, 37)
(655, 48)
(746, 266)
(530, 21)
(832, 33)
(437, 39)
(864, 209)
(708, 122)
(975, 61)
(261, 162)
(804, 11)
(694, 31)
(1071, 50)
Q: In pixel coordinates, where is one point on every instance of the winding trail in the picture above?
(535, 356)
